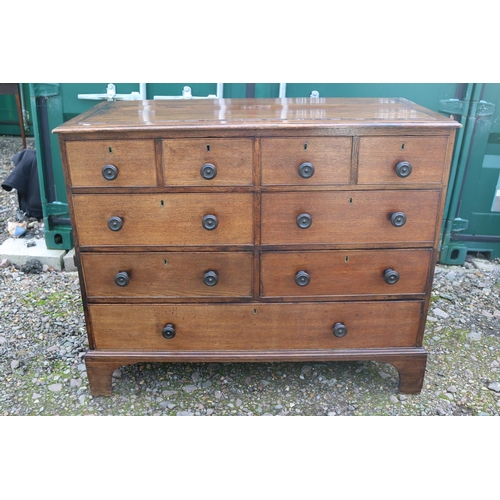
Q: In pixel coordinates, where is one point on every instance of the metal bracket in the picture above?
(457, 107)
(111, 95)
(458, 225)
(186, 94)
(56, 208)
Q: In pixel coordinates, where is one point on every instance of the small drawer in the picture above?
(255, 326)
(167, 274)
(402, 160)
(164, 219)
(344, 273)
(349, 217)
(207, 162)
(306, 161)
(112, 163)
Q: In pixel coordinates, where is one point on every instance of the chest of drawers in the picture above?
(256, 230)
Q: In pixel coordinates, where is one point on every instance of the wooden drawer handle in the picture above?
(306, 170)
(109, 172)
(210, 278)
(302, 278)
(403, 169)
(398, 219)
(391, 277)
(339, 330)
(304, 221)
(210, 222)
(115, 223)
(122, 278)
(208, 171)
(168, 331)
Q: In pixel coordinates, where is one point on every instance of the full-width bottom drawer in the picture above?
(255, 326)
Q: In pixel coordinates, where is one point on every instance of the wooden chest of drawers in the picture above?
(256, 230)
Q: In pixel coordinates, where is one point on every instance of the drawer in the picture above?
(306, 161)
(212, 327)
(164, 219)
(168, 274)
(385, 160)
(344, 273)
(349, 217)
(113, 163)
(207, 162)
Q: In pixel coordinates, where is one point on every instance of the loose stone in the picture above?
(495, 386)
(474, 335)
(55, 387)
(75, 382)
(440, 313)
(117, 373)
(14, 364)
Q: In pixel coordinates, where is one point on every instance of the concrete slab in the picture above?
(16, 251)
(69, 262)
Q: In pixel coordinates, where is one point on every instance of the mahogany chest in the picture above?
(256, 230)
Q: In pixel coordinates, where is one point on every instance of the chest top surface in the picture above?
(259, 114)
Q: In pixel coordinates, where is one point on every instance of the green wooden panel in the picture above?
(9, 120)
(425, 94)
(483, 171)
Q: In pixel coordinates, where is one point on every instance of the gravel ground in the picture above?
(43, 340)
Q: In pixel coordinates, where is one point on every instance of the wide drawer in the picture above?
(385, 160)
(344, 273)
(254, 326)
(113, 163)
(167, 274)
(207, 162)
(164, 219)
(349, 217)
(306, 161)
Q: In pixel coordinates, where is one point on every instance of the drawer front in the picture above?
(168, 274)
(337, 273)
(207, 162)
(212, 327)
(306, 161)
(164, 219)
(112, 163)
(383, 160)
(349, 217)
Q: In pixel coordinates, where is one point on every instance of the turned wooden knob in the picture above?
(210, 222)
(115, 223)
(403, 169)
(208, 171)
(398, 219)
(168, 331)
(122, 278)
(391, 277)
(339, 330)
(302, 278)
(306, 170)
(210, 278)
(304, 221)
(109, 172)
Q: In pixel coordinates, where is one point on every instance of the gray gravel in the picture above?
(43, 340)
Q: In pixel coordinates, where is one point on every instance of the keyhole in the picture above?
(402, 146)
(162, 203)
(305, 146)
(350, 201)
(255, 311)
(165, 262)
(347, 258)
(110, 150)
(208, 147)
